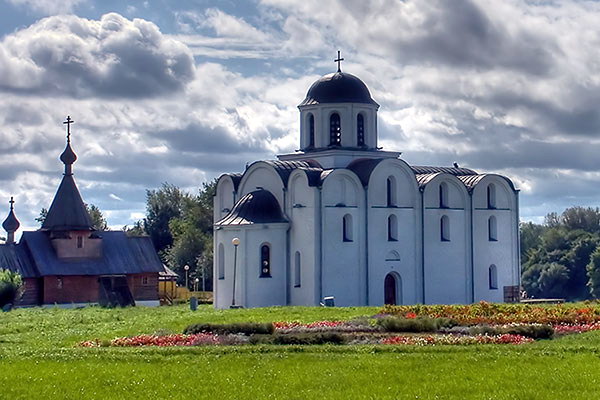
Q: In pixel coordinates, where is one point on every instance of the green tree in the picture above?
(593, 274)
(531, 237)
(192, 236)
(587, 219)
(98, 220)
(163, 205)
(10, 283)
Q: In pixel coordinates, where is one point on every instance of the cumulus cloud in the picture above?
(111, 57)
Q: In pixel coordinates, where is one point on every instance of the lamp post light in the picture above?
(196, 284)
(235, 242)
(186, 268)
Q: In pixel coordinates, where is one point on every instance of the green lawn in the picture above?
(38, 359)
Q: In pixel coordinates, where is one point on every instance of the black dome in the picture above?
(339, 87)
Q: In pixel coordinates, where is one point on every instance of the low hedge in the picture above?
(245, 328)
(415, 325)
(299, 338)
(533, 331)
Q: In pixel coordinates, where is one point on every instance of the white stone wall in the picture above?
(502, 253)
(401, 257)
(252, 290)
(348, 116)
(447, 263)
(343, 267)
(304, 212)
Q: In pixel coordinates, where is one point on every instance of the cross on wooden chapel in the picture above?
(69, 121)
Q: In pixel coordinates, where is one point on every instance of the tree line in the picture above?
(561, 257)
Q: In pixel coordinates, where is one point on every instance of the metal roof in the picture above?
(363, 168)
(423, 179)
(15, 258)
(257, 207)
(447, 170)
(338, 87)
(167, 273)
(121, 254)
(285, 168)
(67, 212)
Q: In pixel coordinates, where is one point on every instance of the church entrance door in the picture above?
(389, 289)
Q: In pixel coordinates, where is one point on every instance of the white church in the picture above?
(342, 218)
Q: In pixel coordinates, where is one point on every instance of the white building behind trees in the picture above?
(343, 218)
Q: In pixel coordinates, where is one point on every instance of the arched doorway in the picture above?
(392, 289)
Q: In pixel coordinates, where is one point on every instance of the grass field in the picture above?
(39, 360)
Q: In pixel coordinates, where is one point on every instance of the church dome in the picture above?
(11, 223)
(257, 207)
(68, 156)
(338, 87)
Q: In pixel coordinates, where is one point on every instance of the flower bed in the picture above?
(492, 313)
(430, 340)
(481, 323)
(155, 340)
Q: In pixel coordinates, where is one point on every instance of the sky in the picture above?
(184, 91)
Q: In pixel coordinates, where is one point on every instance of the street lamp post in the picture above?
(196, 284)
(186, 269)
(235, 242)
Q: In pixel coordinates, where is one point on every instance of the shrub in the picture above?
(245, 328)
(422, 324)
(533, 331)
(299, 338)
(10, 283)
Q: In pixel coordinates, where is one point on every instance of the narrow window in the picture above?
(445, 229)
(297, 270)
(392, 228)
(347, 228)
(265, 261)
(391, 191)
(443, 195)
(144, 280)
(79, 242)
(221, 261)
(59, 283)
(360, 130)
(311, 131)
(335, 130)
(491, 196)
(493, 277)
(492, 229)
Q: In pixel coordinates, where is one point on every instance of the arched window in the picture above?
(335, 130)
(492, 229)
(360, 130)
(493, 277)
(491, 196)
(297, 270)
(347, 228)
(445, 229)
(443, 195)
(391, 191)
(221, 261)
(265, 261)
(311, 131)
(392, 228)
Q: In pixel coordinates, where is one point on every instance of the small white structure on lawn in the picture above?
(343, 218)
